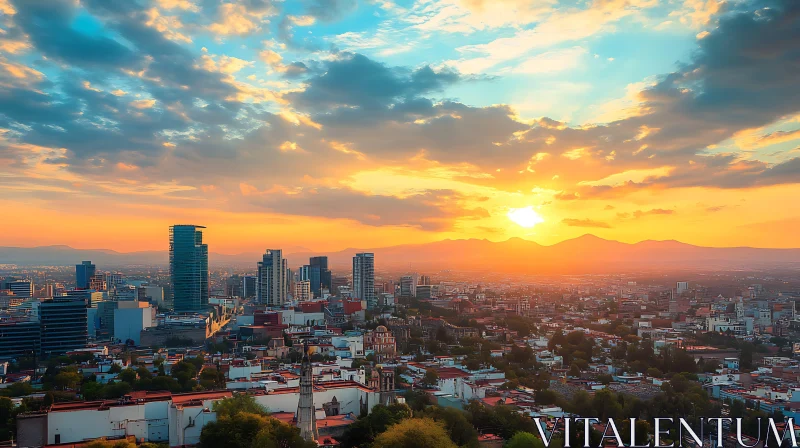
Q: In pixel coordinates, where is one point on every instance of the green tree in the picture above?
(431, 378)
(128, 375)
(415, 433)
(67, 379)
(525, 440)
(456, 424)
(237, 404)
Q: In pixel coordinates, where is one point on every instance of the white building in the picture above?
(271, 279)
(177, 419)
(130, 318)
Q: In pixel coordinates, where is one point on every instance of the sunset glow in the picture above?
(372, 124)
(525, 217)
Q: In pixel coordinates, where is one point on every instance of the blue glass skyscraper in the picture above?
(83, 274)
(319, 275)
(188, 268)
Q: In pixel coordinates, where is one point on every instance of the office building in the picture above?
(682, 287)
(98, 282)
(271, 279)
(88, 296)
(424, 280)
(233, 286)
(83, 274)
(130, 318)
(364, 279)
(21, 288)
(302, 291)
(64, 325)
(114, 279)
(319, 275)
(408, 285)
(188, 268)
(19, 338)
(248, 286)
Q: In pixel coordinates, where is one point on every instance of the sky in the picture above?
(332, 124)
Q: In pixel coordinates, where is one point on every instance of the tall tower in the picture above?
(271, 279)
(319, 275)
(188, 268)
(83, 274)
(364, 278)
(306, 416)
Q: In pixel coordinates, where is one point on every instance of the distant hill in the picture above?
(585, 254)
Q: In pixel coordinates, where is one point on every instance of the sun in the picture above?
(526, 216)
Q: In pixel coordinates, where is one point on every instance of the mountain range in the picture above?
(585, 254)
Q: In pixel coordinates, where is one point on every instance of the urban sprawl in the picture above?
(286, 354)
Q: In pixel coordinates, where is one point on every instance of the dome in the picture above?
(381, 329)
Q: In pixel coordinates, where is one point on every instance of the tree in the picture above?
(574, 371)
(415, 433)
(115, 368)
(455, 422)
(605, 378)
(525, 440)
(237, 404)
(128, 375)
(746, 356)
(68, 379)
(239, 432)
(431, 378)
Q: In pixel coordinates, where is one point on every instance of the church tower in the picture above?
(306, 417)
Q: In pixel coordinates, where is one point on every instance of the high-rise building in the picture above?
(682, 287)
(83, 274)
(21, 288)
(302, 291)
(233, 286)
(19, 338)
(319, 275)
(64, 325)
(248, 286)
(113, 279)
(408, 285)
(98, 282)
(364, 279)
(271, 279)
(424, 279)
(188, 268)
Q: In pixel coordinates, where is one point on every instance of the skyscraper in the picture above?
(64, 324)
(319, 275)
(364, 279)
(271, 279)
(83, 274)
(188, 268)
(408, 285)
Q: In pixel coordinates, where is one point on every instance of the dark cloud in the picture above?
(585, 223)
(48, 23)
(329, 10)
(355, 81)
(429, 210)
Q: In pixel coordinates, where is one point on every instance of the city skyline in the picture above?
(628, 119)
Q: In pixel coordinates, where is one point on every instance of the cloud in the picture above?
(429, 210)
(585, 223)
(355, 81)
(559, 27)
(655, 211)
(242, 18)
(329, 10)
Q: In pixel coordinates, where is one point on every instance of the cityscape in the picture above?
(399, 223)
(165, 351)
